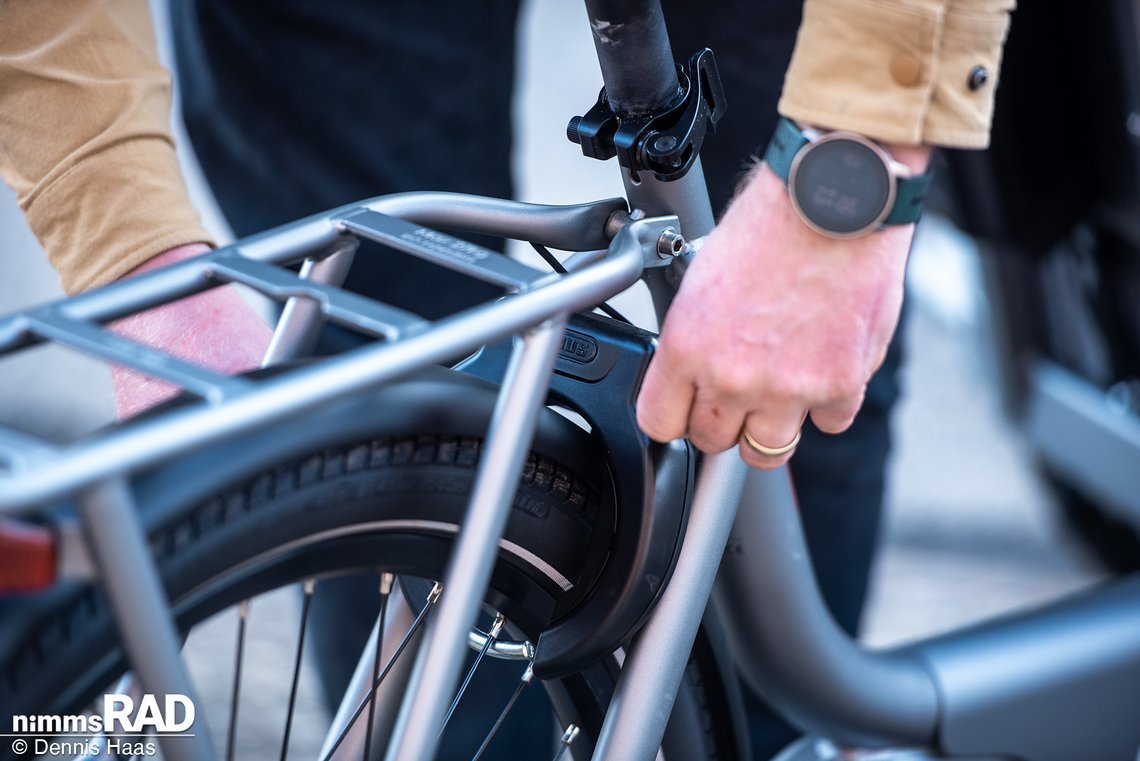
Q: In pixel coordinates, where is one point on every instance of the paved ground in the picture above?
(970, 529)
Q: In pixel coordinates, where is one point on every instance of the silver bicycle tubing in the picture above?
(146, 442)
(134, 590)
(790, 649)
(299, 327)
(1052, 684)
(438, 661)
(1049, 684)
(656, 661)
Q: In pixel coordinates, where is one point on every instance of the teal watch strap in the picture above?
(910, 192)
(786, 143)
(910, 198)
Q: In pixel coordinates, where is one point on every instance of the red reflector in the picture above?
(27, 557)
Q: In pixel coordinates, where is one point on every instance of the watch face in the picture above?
(841, 185)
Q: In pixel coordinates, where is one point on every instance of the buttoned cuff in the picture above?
(908, 73)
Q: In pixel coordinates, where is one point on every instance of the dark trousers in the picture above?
(296, 106)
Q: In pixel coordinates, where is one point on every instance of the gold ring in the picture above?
(759, 448)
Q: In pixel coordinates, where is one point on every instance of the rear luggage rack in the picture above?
(35, 471)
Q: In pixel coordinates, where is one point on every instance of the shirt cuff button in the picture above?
(977, 78)
(906, 69)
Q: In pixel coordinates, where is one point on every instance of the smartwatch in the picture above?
(844, 185)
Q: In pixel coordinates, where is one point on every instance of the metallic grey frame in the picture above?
(40, 473)
(1003, 688)
(941, 694)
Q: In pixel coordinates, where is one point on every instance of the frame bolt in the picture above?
(670, 244)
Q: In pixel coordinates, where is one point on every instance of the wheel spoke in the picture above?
(523, 682)
(386, 581)
(432, 598)
(235, 694)
(492, 635)
(305, 607)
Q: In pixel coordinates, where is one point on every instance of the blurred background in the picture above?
(972, 529)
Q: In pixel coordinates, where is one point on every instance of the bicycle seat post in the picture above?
(642, 80)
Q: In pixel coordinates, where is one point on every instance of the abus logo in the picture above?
(162, 714)
(121, 713)
(578, 347)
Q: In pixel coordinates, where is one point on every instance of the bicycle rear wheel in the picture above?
(387, 504)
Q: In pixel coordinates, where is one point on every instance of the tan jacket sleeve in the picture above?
(85, 139)
(901, 71)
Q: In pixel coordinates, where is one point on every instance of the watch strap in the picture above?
(910, 198)
(786, 142)
(910, 192)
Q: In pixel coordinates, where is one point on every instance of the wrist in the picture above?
(170, 256)
(845, 185)
(916, 158)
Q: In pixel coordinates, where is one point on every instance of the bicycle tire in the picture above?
(217, 551)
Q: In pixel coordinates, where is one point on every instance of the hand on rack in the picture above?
(216, 329)
(774, 322)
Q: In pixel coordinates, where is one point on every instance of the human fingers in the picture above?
(665, 399)
(769, 437)
(837, 415)
(715, 423)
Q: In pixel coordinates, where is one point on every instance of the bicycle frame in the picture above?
(945, 694)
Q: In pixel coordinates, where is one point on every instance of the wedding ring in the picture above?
(759, 448)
